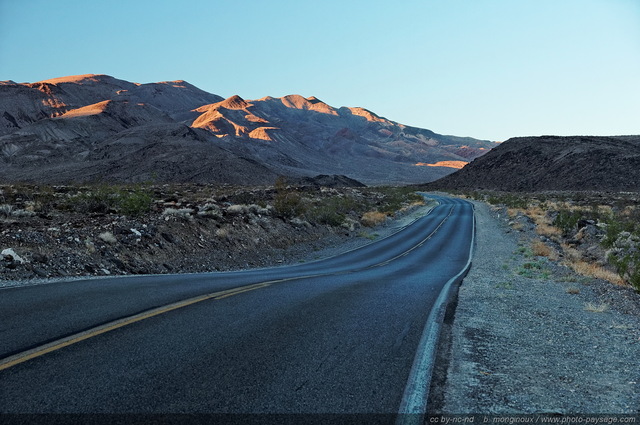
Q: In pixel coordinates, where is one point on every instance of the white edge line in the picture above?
(414, 400)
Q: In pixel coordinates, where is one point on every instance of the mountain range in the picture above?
(98, 128)
(553, 163)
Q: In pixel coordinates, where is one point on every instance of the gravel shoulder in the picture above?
(530, 336)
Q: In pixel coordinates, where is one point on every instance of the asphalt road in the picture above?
(338, 335)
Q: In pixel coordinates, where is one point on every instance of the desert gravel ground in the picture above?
(529, 336)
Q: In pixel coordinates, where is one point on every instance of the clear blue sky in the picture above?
(489, 69)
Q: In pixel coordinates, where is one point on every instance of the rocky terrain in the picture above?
(92, 128)
(550, 163)
(67, 231)
(595, 234)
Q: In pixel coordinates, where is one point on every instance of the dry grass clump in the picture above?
(596, 308)
(574, 260)
(537, 214)
(513, 212)
(593, 270)
(517, 226)
(544, 229)
(373, 218)
(571, 254)
(541, 249)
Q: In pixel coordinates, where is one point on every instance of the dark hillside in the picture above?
(573, 163)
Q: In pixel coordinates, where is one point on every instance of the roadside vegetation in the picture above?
(596, 234)
(104, 229)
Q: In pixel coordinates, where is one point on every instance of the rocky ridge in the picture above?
(553, 163)
(98, 128)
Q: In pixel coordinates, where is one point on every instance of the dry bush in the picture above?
(373, 218)
(594, 308)
(547, 230)
(107, 237)
(572, 254)
(178, 214)
(593, 270)
(541, 249)
(513, 212)
(517, 226)
(537, 214)
(574, 260)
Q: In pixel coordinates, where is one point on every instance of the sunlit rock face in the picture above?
(96, 127)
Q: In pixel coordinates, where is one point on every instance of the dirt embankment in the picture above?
(99, 231)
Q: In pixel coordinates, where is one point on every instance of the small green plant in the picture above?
(534, 270)
(567, 220)
(508, 200)
(325, 214)
(130, 201)
(628, 267)
(370, 236)
(504, 285)
(393, 199)
(288, 203)
(525, 251)
(134, 203)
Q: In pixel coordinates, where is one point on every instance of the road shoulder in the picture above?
(529, 336)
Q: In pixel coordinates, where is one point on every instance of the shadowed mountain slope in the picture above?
(551, 163)
(66, 128)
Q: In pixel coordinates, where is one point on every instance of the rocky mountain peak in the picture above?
(95, 126)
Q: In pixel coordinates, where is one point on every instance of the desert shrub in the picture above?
(325, 213)
(509, 200)
(105, 199)
(107, 237)
(178, 214)
(625, 259)
(237, 209)
(395, 198)
(634, 278)
(134, 203)
(334, 209)
(288, 202)
(541, 249)
(567, 220)
(97, 200)
(544, 229)
(6, 210)
(620, 262)
(373, 218)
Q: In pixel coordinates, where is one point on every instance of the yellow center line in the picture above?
(90, 333)
(116, 324)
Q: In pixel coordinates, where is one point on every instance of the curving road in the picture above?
(342, 335)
